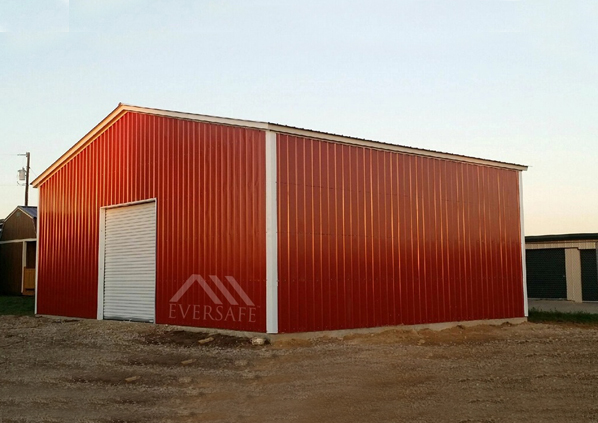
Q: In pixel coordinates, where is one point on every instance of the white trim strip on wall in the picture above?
(271, 235)
(573, 275)
(101, 259)
(23, 265)
(18, 240)
(523, 264)
(130, 203)
(585, 245)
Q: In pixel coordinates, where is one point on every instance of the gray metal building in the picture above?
(562, 266)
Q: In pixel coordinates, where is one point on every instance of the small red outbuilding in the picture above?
(212, 222)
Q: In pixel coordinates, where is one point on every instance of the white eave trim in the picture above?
(198, 118)
(264, 126)
(523, 261)
(83, 142)
(377, 145)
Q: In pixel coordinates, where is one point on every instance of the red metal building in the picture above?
(195, 220)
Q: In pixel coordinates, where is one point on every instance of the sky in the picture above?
(515, 81)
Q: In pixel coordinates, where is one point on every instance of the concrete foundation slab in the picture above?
(564, 306)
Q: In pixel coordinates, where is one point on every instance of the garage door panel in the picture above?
(137, 270)
(130, 263)
(546, 274)
(126, 285)
(589, 275)
(116, 252)
(131, 277)
(130, 284)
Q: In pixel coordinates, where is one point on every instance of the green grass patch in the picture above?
(20, 306)
(538, 316)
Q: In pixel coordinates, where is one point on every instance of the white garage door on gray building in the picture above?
(128, 272)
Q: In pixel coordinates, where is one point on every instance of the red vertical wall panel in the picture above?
(209, 184)
(372, 238)
(366, 237)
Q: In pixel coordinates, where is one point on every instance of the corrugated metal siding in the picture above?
(209, 184)
(372, 238)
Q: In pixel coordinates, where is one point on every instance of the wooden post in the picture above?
(27, 181)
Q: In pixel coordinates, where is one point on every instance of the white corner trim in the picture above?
(523, 264)
(271, 235)
(101, 252)
(23, 265)
(37, 234)
(36, 293)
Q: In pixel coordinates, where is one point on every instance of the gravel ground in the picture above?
(77, 371)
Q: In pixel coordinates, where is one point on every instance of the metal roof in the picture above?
(121, 109)
(31, 211)
(562, 237)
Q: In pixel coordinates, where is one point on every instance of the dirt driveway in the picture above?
(58, 371)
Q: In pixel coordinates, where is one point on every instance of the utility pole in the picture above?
(28, 156)
(27, 180)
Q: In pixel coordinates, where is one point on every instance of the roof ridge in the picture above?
(123, 108)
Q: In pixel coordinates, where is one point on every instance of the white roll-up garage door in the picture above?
(130, 262)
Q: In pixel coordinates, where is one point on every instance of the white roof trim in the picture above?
(307, 133)
(342, 139)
